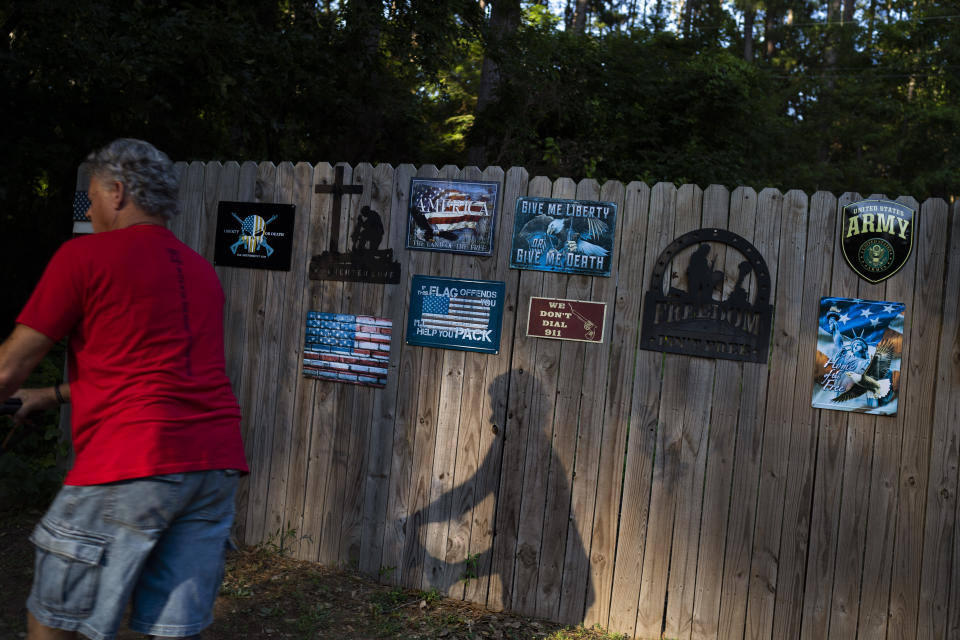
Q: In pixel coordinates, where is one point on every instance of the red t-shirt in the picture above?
(148, 385)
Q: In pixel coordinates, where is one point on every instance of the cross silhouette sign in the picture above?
(338, 189)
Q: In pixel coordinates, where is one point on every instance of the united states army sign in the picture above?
(876, 237)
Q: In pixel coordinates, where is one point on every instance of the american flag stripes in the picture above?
(347, 348)
(444, 312)
(450, 209)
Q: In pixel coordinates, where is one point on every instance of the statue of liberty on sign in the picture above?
(859, 346)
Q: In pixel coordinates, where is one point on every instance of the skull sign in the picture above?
(252, 234)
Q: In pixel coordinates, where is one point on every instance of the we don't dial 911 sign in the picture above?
(578, 320)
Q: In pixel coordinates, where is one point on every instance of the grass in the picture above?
(266, 595)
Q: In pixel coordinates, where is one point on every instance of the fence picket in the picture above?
(623, 311)
(916, 403)
(941, 537)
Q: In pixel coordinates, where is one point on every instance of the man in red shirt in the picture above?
(146, 510)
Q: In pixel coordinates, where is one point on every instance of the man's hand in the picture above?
(34, 400)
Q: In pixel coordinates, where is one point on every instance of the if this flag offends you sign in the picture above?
(452, 313)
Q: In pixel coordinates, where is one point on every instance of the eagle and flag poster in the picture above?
(859, 346)
(456, 216)
(452, 313)
(567, 236)
(347, 348)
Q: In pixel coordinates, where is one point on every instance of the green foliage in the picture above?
(630, 106)
(867, 105)
(31, 469)
(470, 568)
(280, 542)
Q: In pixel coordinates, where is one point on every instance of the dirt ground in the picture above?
(265, 596)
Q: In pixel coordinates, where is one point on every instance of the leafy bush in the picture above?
(31, 463)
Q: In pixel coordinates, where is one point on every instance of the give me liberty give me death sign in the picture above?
(566, 236)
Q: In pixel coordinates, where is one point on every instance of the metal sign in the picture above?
(568, 236)
(254, 234)
(365, 262)
(347, 348)
(451, 313)
(457, 216)
(859, 346)
(698, 320)
(876, 237)
(579, 320)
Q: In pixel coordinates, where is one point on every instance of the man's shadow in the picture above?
(535, 540)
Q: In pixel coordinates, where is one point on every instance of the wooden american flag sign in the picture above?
(347, 348)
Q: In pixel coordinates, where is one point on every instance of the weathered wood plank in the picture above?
(296, 187)
(631, 585)
(578, 591)
(540, 551)
(427, 401)
(251, 288)
(950, 355)
(780, 238)
(881, 517)
(559, 538)
(191, 204)
(538, 557)
(492, 416)
(345, 425)
(376, 522)
(940, 562)
(235, 320)
(720, 430)
(178, 224)
(437, 572)
(676, 374)
(825, 514)
(366, 299)
(519, 504)
(324, 296)
(207, 221)
(738, 390)
(453, 567)
(623, 324)
(312, 239)
(270, 334)
(783, 513)
(916, 402)
(695, 386)
(228, 184)
(399, 528)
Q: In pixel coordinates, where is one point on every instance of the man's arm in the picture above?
(19, 354)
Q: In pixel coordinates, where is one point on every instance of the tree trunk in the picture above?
(580, 16)
(771, 23)
(749, 17)
(504, 21)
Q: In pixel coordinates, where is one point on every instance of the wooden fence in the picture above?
(652, 494)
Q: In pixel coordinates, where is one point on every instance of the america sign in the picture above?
(455, 216)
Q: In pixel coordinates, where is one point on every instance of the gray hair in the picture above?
(146, 173)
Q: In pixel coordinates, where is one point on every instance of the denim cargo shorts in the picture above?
(159, 541)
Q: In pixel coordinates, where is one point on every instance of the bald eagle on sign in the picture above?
(579, 232)
(872, 381)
